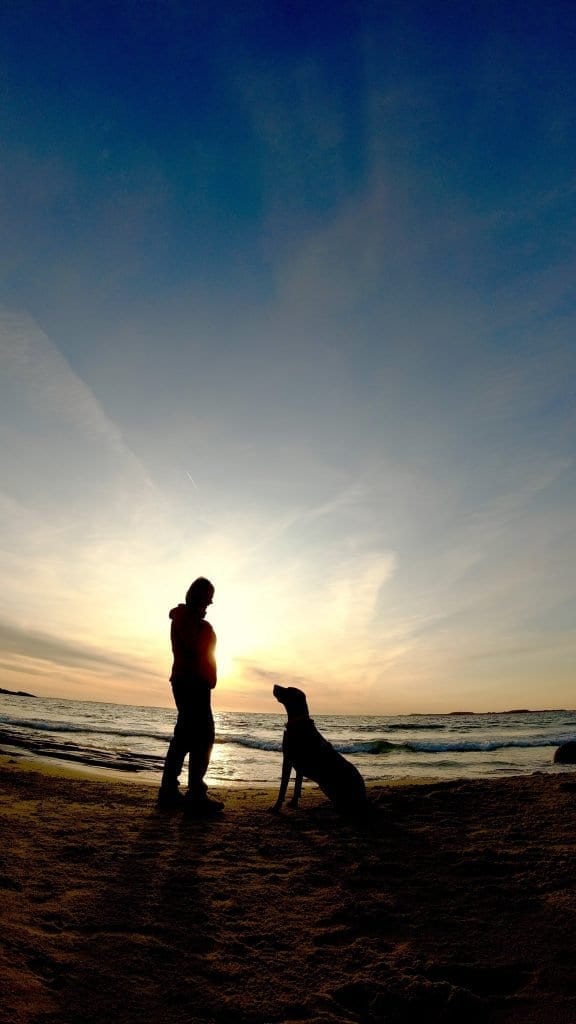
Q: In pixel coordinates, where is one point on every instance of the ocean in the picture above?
(133, 740)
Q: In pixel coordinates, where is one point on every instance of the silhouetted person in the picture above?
(193, 678)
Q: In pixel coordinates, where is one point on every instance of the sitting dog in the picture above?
(306, 750)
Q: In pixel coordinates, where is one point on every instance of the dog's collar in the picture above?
(300, 718)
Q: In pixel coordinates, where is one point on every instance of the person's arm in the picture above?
(207, 655)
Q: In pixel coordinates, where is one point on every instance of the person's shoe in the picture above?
(217, 803)
(204, 799)
(170, 800)
(204, 808)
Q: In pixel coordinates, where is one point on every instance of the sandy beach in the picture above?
(452, 902)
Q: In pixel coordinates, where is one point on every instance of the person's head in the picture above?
(199, 595)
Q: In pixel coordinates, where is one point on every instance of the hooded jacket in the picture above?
(193, 643)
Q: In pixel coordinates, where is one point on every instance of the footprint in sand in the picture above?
(10, 883)
(337, 937)
(53, 922)
(48, 969)
(498, 980)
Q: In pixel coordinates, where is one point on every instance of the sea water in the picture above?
(247, 751)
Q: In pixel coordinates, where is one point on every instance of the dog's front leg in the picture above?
(297, 789)
(286, 769)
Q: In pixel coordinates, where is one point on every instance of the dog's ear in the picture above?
(298, 699)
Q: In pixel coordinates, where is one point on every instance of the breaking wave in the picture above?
(73, 728)
(384, 746)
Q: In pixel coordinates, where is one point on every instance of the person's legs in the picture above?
(177, 750)
(201, 744)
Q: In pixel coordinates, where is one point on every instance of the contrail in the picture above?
(31, 357)
(192, 479)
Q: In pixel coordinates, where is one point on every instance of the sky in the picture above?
(288, 300)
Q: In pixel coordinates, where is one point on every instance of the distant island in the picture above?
(17, 693)
(514, 711)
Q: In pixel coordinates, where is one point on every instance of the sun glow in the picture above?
(242, 620)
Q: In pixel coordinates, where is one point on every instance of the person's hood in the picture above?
(178, 613)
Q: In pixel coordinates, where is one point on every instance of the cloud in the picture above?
(358, 252)
(301, 130)
(325, 693)
(20, 642)
(29, 359)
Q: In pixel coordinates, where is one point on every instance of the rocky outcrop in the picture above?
(17, 693)
(566, 754)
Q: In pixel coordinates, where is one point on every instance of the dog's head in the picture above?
(294, 700)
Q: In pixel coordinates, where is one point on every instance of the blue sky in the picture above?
(287, 299)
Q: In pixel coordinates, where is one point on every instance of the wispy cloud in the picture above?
(37, 646)
(30, 359)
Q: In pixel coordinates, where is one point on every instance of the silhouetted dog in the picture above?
(311, 756)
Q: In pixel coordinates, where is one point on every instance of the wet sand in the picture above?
(452, 902)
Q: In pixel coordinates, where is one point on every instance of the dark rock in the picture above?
(17, 693)
(566, 754)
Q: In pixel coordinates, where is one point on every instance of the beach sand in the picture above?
(453, 902)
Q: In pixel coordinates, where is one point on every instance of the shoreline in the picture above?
(79, 768)
(52, 764)
(452, 901)
(28, 761)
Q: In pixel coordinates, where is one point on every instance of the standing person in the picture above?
(193, 678)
